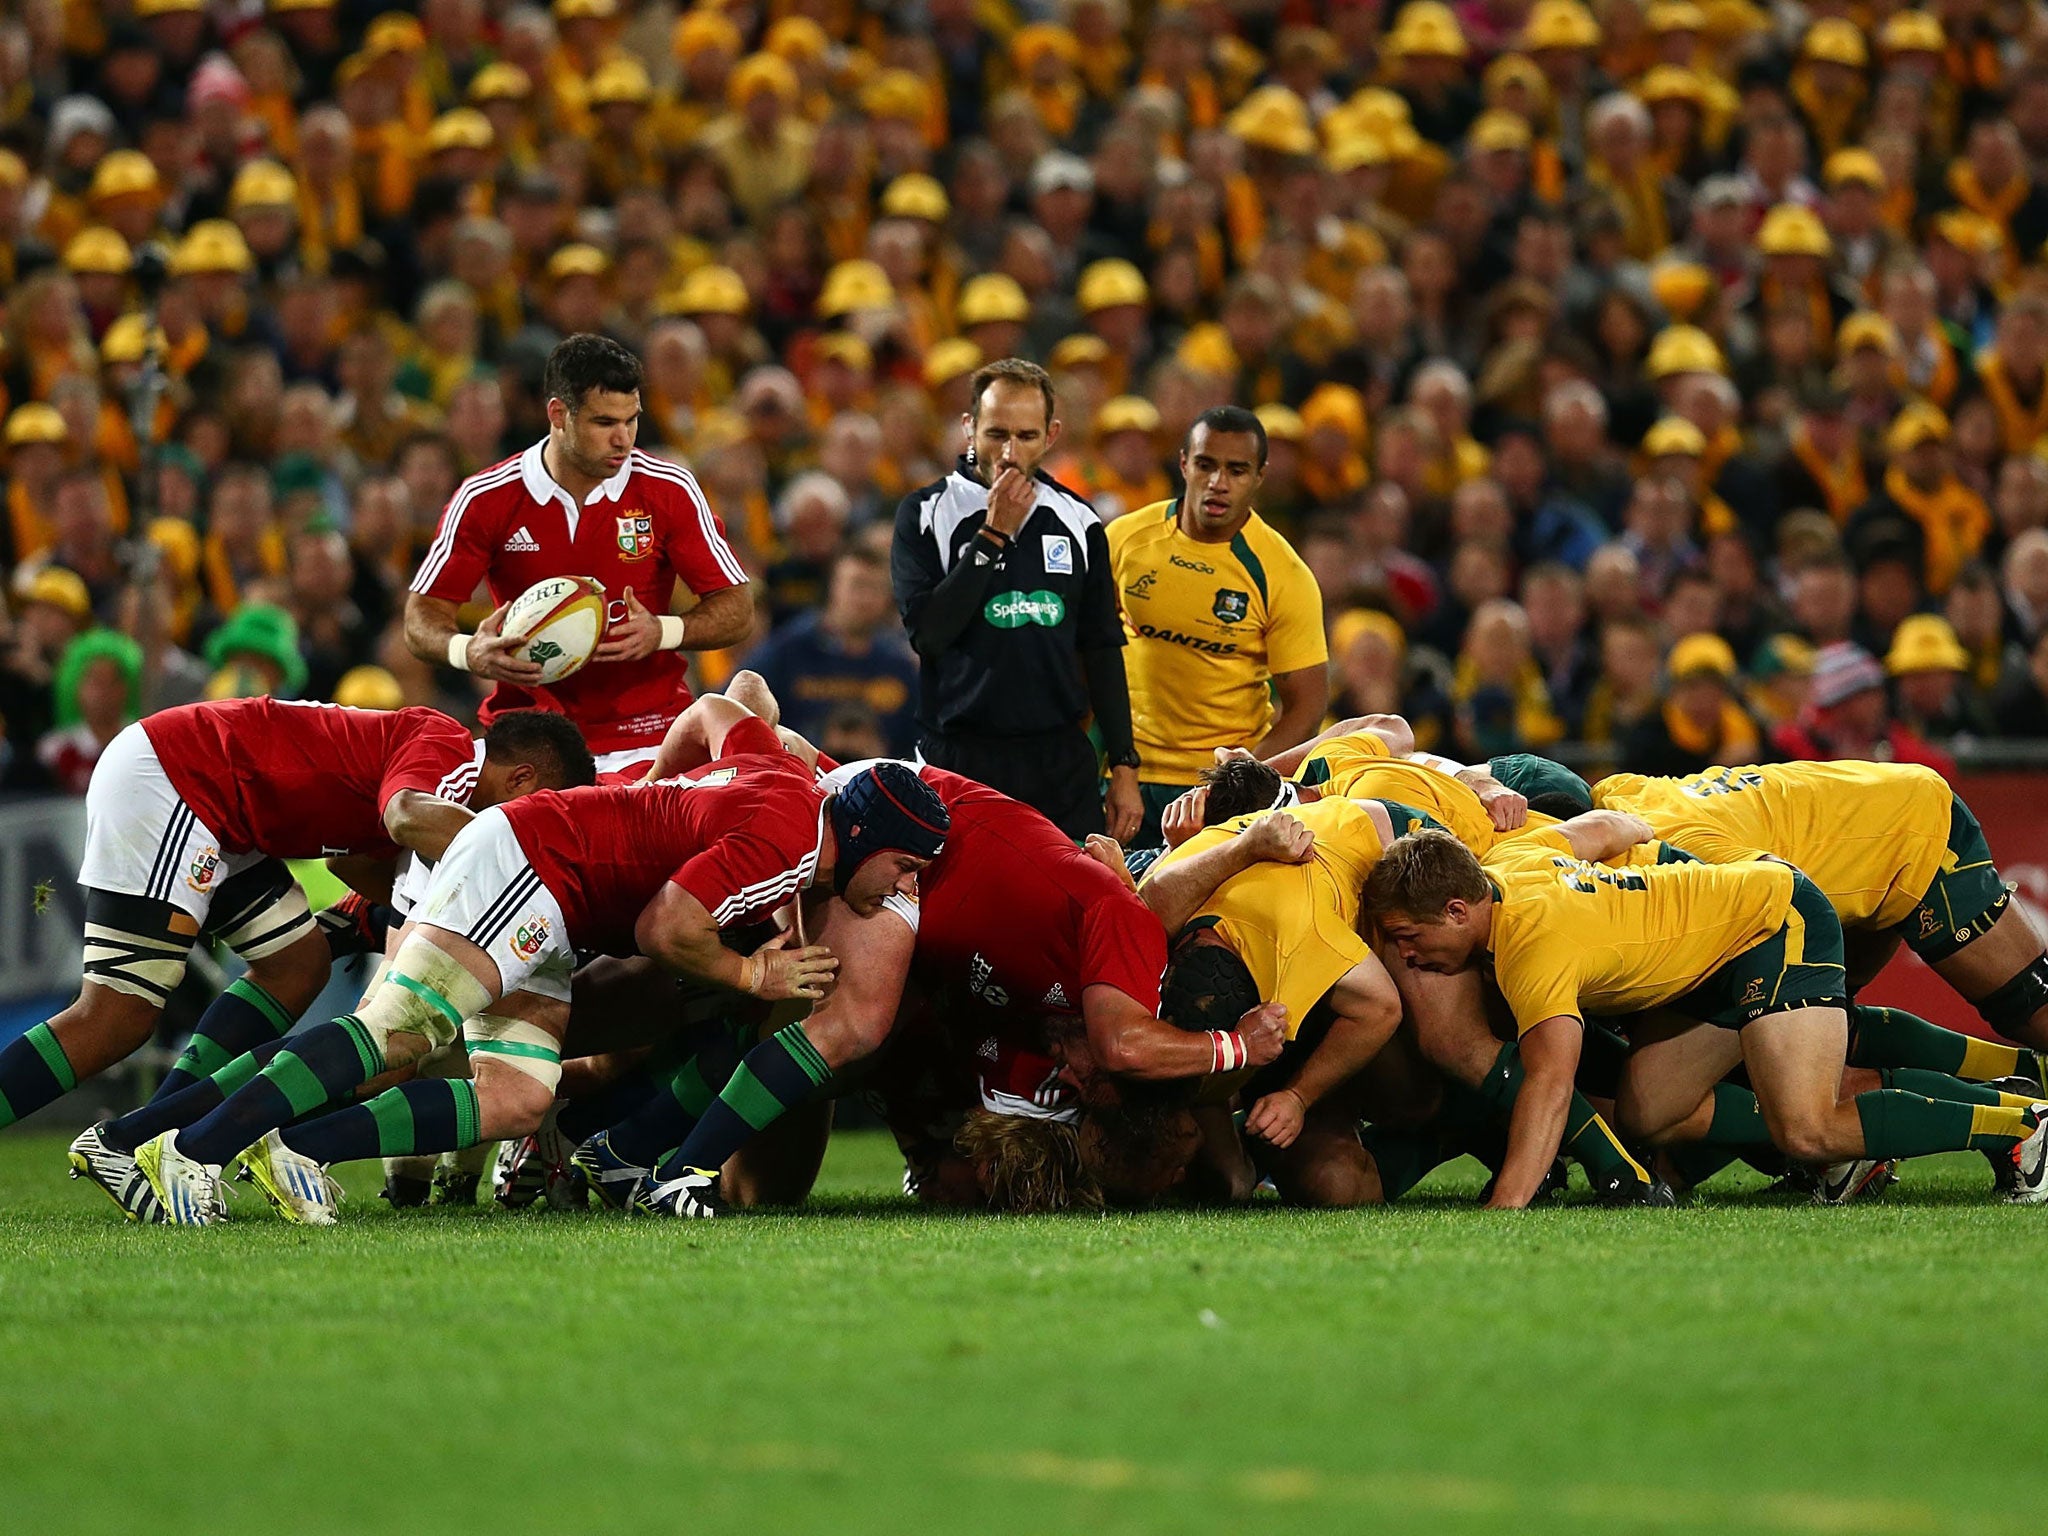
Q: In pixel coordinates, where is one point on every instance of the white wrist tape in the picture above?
(458, 651)
(671, 633)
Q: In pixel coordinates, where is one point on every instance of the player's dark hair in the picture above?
(1009, 370)
(1238, 788)
(550, 742)
(585, 362)
(1231, 418)
(1206, 987)
(1557, 802)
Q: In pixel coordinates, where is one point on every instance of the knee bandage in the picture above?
(271, 927)
(2012, 1007)
(426, 992)
(516, 1044)
(130, 946)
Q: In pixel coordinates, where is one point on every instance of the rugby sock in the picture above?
(583, 1117)
(775, 1075)
(1738, 1121)
(169, 1112)
(1898, 1124)
(666, 1120)
(434, 1114)
(1404, 1158)
(33, 1072)
(240, 1019)
(1938, 1085)
(313, 1069)
(1892, 1037)
(1586, 1138)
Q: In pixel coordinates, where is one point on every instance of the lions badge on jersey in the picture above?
(636, 535)
(1059, 555)
(1232, 606)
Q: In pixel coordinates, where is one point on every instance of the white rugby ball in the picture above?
(561, 620)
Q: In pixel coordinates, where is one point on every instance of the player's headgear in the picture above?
(1206, 987)
(883, 808)
(1530, 776)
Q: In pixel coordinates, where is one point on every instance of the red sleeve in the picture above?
(435, 756)
(741, 875)
(1123, 946)
(696, 541)
(751, 736)
(463, 544)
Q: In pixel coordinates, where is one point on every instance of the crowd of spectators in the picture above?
(1671, 376)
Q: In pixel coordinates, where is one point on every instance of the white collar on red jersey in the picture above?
(542, 487)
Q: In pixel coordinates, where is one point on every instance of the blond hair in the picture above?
(1421, 874)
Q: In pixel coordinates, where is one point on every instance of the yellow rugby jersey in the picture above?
(1209, 627)
(1359, 768)
(1872, 836)
(1572, 938)
(1295, 926)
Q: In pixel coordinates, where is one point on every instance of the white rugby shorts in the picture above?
(484, 889)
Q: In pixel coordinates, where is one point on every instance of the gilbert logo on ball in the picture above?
(561, 620)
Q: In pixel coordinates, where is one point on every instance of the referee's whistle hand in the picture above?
(1011, 496)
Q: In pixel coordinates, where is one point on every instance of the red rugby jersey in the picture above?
(511, 525)
(741, 834)
(302, 780)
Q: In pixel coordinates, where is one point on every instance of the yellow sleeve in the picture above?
(1346, 754)
(1539, 980)
(1294, 605)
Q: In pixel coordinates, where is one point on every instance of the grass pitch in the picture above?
(1736, 1366)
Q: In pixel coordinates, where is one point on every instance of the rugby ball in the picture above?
(561, 620)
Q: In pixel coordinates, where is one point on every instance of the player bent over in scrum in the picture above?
(1747, 959)
(661, 867)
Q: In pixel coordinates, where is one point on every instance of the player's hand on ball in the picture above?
(1280, 839)
(634, 638)
(493, 656)
(1264, 1029)
(1276, 1119)
(792, 972)
(1182, 819)
(1507, 810)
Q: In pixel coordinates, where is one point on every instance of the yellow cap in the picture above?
(1918, 423)
(797, 37)
(1835, 41)
(896, 95)
(759, 72)
(1335, 405)
(915, 195)
(394, 32)
(368, 688)
(1867, 328)
(1969, 230)
(463, 128)
(845, 347)
(620, 82)
(990, 298)
(1701, 655)
(1682, 287)
(500, 81)
(577, 260)
(1355, 150)
(1925, 642)
(701, 30)
(1108, 283)
(1282, 423)
(1671, 82)
(1675, 16)
(1854, 167)
(1683, 349)
(60, 588)
(262, 184)
(586, 10)
(126, 340)
(1728, 20)
(1354, 624)
(1427, 28)
(1496, 130)
(1674, 434)
(1792, 230)
(281, 6)
(1560, 24)
(1126, 413)
(98, 249)
(179, 542)
(1912, 32)
(35, 422)
(1206, 348)
(212, 246)
(1510, 70)
(1274, 118)
(712, 291)
(1030, 44)
(148, 8)
(853, 285)
(951, 359)
(123, 172)
(1082, 351)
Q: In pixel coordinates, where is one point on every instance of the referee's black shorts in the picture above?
(1057, 774)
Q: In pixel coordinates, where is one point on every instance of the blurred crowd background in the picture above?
(1668, 378)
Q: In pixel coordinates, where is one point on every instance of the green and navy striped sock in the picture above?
(240, 1019)
(314, 1069)
(780, 1072)
(428, 1115)
(33, 1072)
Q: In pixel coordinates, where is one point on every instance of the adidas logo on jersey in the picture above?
(1057, 997)
(522, 543)
(987, 1050)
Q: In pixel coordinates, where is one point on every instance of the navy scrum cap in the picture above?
(883, 808)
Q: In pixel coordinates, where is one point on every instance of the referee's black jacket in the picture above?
(1018, 642)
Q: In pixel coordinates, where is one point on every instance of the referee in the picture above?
(1004, 580)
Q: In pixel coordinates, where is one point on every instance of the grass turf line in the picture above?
(870, 1367)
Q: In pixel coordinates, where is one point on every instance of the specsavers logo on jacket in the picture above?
(1013, 610)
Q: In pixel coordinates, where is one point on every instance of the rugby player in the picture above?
(1744, 960)
(189, 817)
(584, 502)
(660, 869)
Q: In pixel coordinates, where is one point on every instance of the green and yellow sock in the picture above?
(1899, 1124)
(1892, 1037)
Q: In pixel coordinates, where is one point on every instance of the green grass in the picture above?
(1735, 1366)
